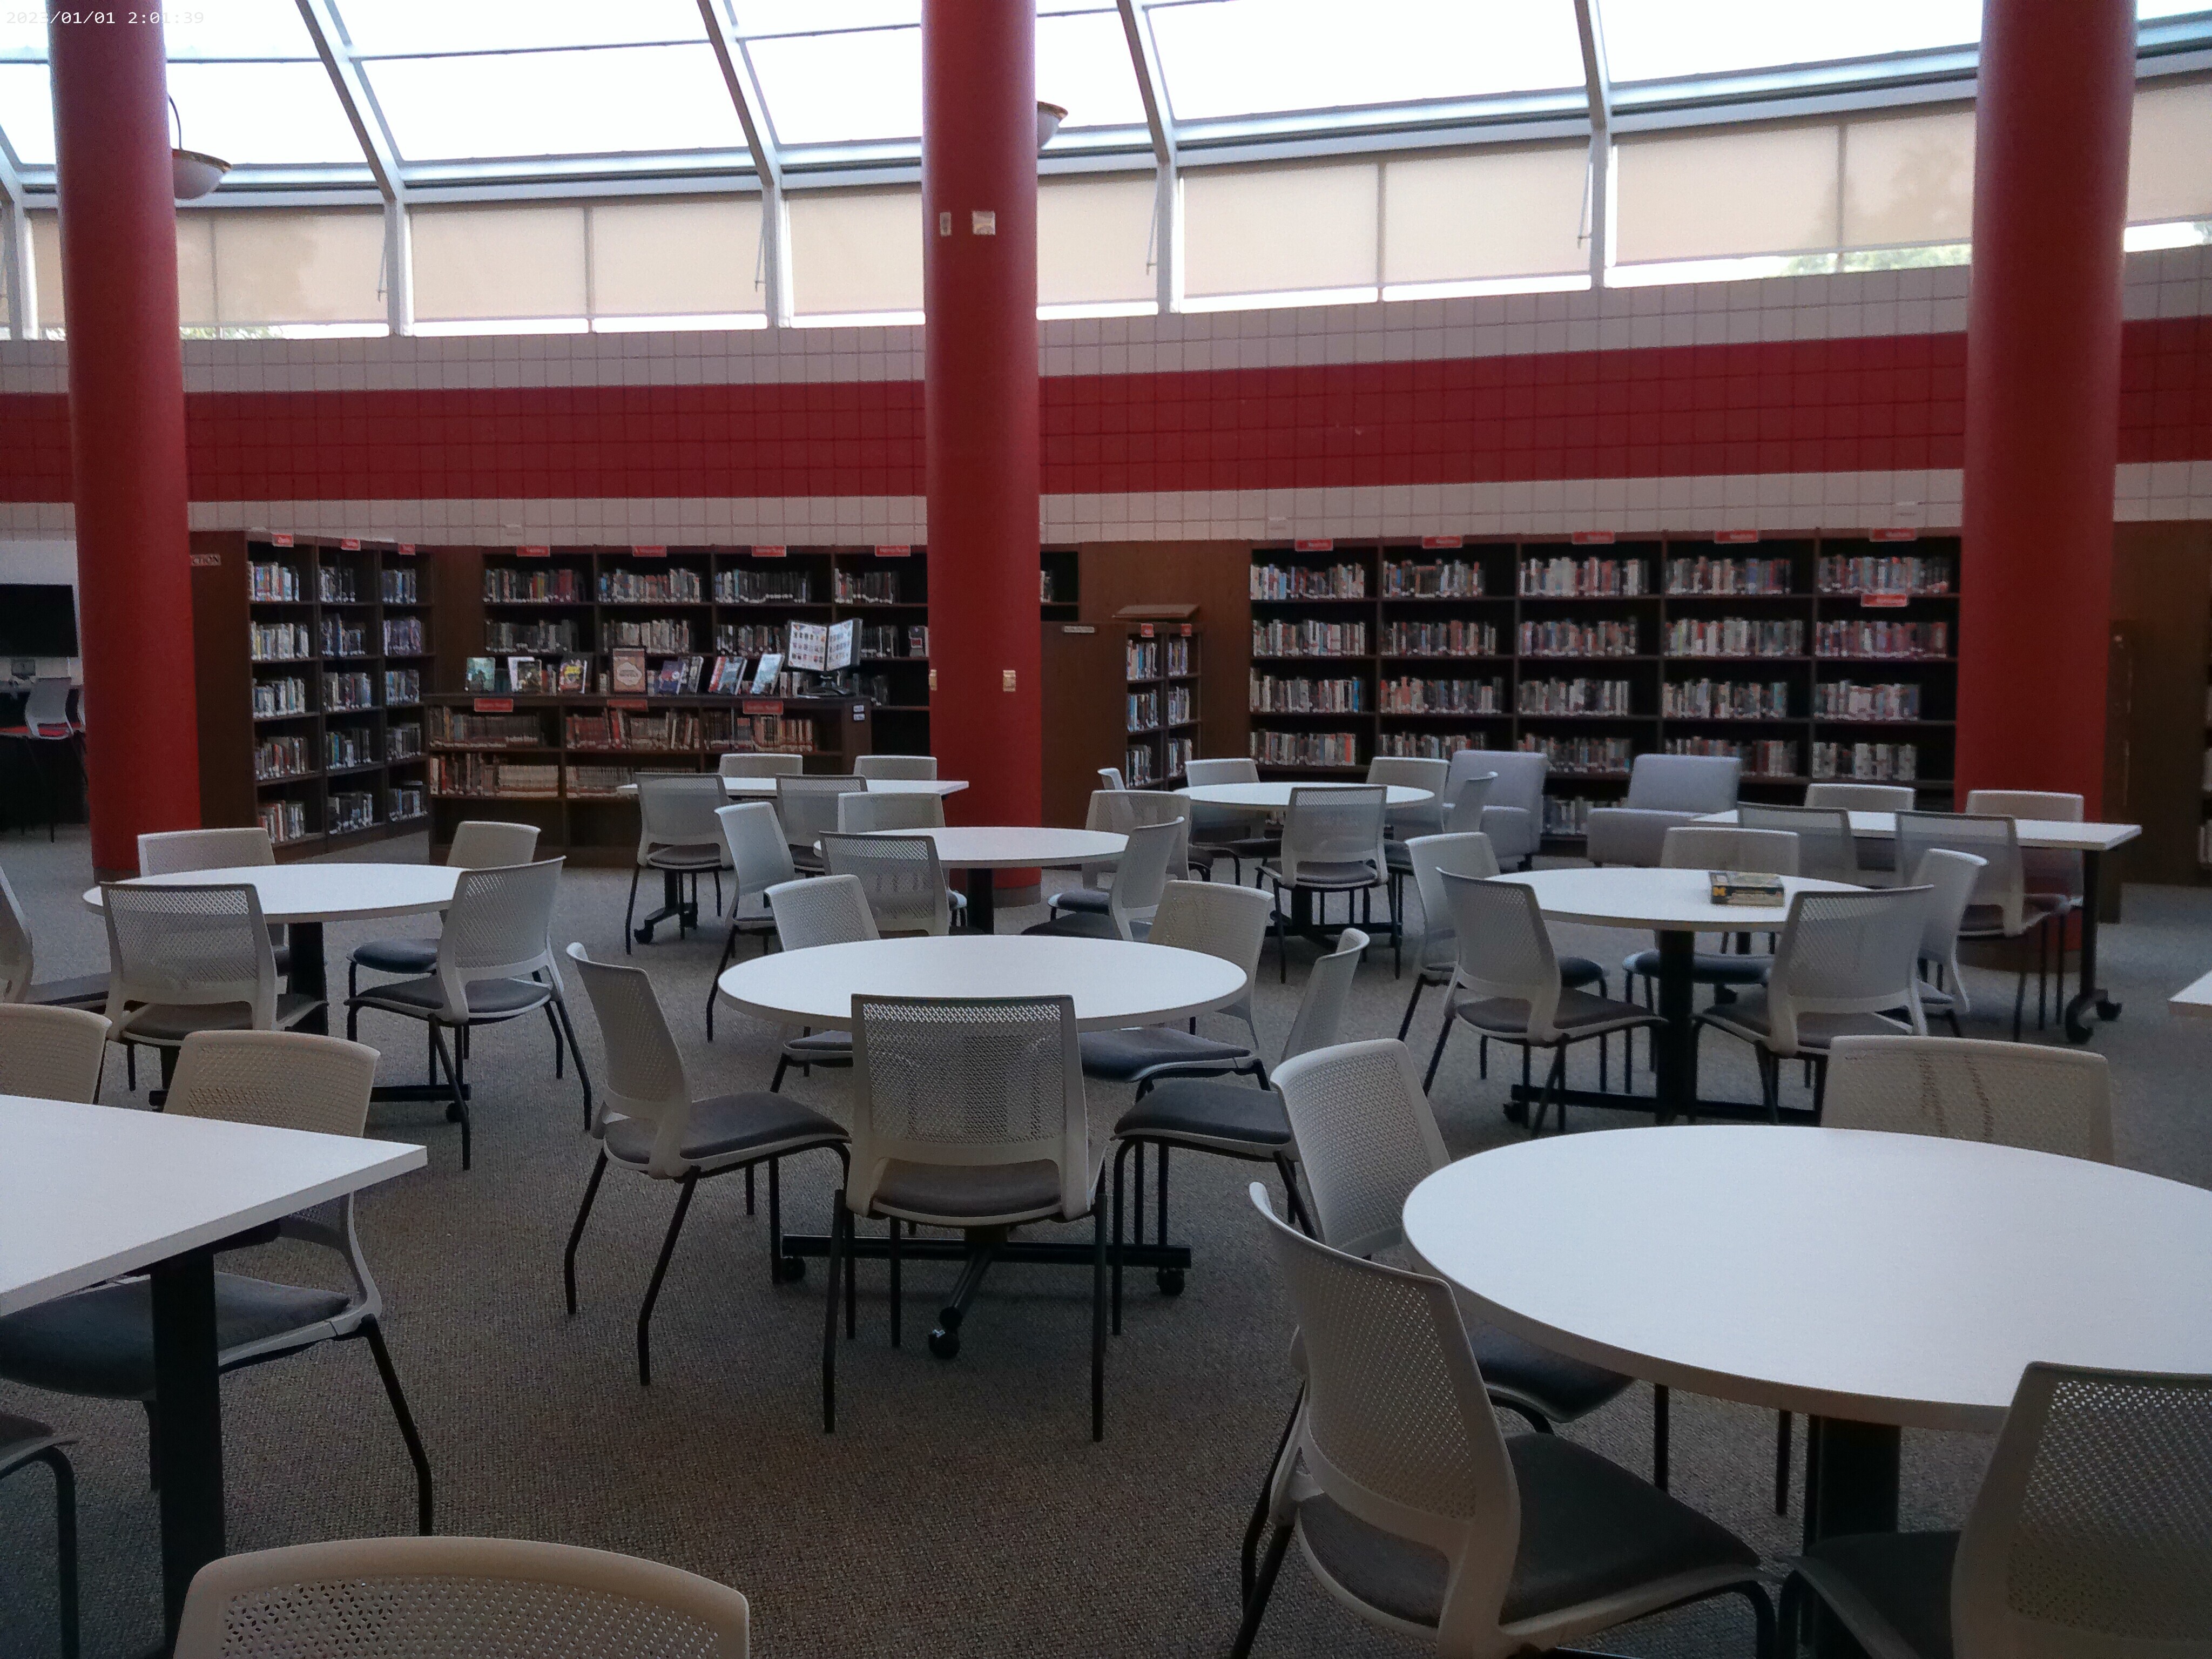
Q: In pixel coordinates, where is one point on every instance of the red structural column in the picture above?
(2043, 386)
(979, 153)
(126, 382)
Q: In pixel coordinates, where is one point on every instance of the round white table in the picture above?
(764, 788)
(1677, 905)
(1871, 1281)
(1115, 982)
(980, 849)
(1276, 797)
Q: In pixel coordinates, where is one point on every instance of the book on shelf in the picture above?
(575, 675)
(481, 674)
(525, 676)
(808, 646)
(668, 679)
(627, 669)
(771, 664)
(839, 646)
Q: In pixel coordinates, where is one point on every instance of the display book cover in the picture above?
(1740, 887)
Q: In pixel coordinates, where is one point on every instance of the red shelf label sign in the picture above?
(650, 552)
(494, 705)
(1441, 541)
(1313, 545)
(1735, 537)
(767, 552)
(1593, 538)
(633, 705)
(1186, 630)
(535, 552)
(407, 548)
(894, 549)
(751, 706)
(1881, 601)
(1143, 630)
(1895, 534)
(350, 544)
(280, 541)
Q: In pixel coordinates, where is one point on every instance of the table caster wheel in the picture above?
(791, 1269)
(944, 1344)
(1517, 1111)
(1171, 1281)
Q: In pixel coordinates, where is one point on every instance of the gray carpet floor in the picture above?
(961, 1509)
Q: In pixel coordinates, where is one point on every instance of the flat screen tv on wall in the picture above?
(38, 620)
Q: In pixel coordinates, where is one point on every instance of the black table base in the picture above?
(672, 906)
(2092, 995)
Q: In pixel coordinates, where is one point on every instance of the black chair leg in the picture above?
(1661, 1438)
(461, 1111)
(1098, 1294)
(840, 1222)
(749, 1189)
(1120, 1160)
(1782, 1463)
(1249, 1556)
(1411, 1003)
(1437, 1058)
(629, 913)
(559, 1054)
(1762, 1613)
(64, 1544)
(424, 1494)
(892, 1255)
(1299, 1218)
(661, 1272)
(576, 1232)
(1255, 1604)
(576, 1055)
(729, 953)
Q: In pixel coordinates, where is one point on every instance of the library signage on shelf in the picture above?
(894, 549)
(534, 552)
(350, 544)
(280, 540)
(1882, 601)
(760, 552)
(1735, 538)
(207, 561)
(1896, 532)
(406, 547)
(649, 552)
(1313, 545)
(494, 705)
(1440, 542)
(760, 706)
(1593, 538)
(629, 705)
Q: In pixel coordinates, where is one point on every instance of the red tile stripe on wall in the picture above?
(1834, 405)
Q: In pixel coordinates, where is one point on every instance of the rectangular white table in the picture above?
(88, 1193)
(2092, 841)
(2194, 1000)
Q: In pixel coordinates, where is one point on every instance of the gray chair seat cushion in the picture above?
(100, 1341)
(162, 1023)
(1335, 878)
(1563, 1390)
(86, 991)
(704, 856)
(725, 1125)
(398, 956)
(1123, 1056)
(1987, 920)
(1576, 972)
(1892, 1591)
(1707, 967)
(822, 1048)
(427, 995)
(1397, 858)
(1078, 924)
(1211, 1112)
(1588, 1529)
(1578, 1010)
(955, 1192)
(1085, 901)
(1748, 1017)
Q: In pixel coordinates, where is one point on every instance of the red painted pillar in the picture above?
(2043, 389)
(979, 164)
(126, 381)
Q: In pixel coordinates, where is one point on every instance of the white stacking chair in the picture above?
(1663, 791)
(648, 1122)
(1513, 813)
(904, 882)
(495, 964)
(490, 1598)
(24, 1442)
(478, 844)
(807, 808)
(1950, 879)
(874, 810)
(1117, 812)
(1468, 784)
(2049, 872)
(98, 1343)
(179, 852)
(1718, 846)
(18, 965)
(2002, 907)
(1398, 1460)
(1213, 1115)
(760, 859)
(918, 768)
(1140, 880)
(1827, 851)
(51, 1053)
(677, 833)
(1109, 777)
(753, 763)
(1222, 920)
(1224, 832)
(969, 1114)
(1464, 852)
(1875, 852)
(819, 910)
(46, 725)
(2003, 1094)
(1332, 843)
(1402, 824)
(2085, 1537)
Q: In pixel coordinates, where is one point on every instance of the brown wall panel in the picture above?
(2154, 749)
(1215, 576)
(223, 677)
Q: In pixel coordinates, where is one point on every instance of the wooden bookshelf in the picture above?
(312, 657)
(1599, 652)
(1161, 674)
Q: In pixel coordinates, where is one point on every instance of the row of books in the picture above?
(619, 728)
(1308, 581)
(403, 687)
(865, 586)
(1882, 639)
(403, 740)
(1182, 705)
(1271, 695)
(1137, 768)
(654, 634)
(400, 588)
(1564, 578)
(1575, 697)
(1763, 758)
(335, 584)
(1179, 659)
(1405, 696)
(1841, 700)
(1141, 660)
(346, 746)
(1568, 639)
(557, 637)
(547, 584)
(282, 641)
(460, 728)
(271, 583)
(1308, 639)
(343, 638)
(352, 810)
(403, 637)
(355, 690)
(272, 698)
(1143, 712)
(1582, 755)
(675, 585)
(284, 820)
(1724, 700)
(1181, 751)
(1440, 639)
(1331, 749)
(1877, 762)
(1569, 815)
(764, 587)
(1709, 575)
(488, 774)
(887, 642)
(1908, 573)
(1734, 636)
(748, 639)
(402, 801)
(1427, 745)
(281, 758)
(1450, 578)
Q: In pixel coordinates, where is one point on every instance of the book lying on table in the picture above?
(1737, 887)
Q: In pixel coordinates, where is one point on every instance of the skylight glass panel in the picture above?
(1083, 65)
(397, 27)
(851, 88)
(755, 17)
(1225, 58)
(26, 112)
(238, 28)
(603, 101)
(272, 114)
(1668, 40)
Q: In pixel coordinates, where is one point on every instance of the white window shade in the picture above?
(1762, 190)
(274, 267)
(1094, 236)
(1280, 230)
(485, 264)
(1492, 213)
(855, 253)
(46, 268)
(696, 258)
(196, 270)
(2169, 159)
(1909, 179)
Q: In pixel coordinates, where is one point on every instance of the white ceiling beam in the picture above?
(1599, 78)
(23, 267)
(1167, 161)
(378, 148)
(737, 66)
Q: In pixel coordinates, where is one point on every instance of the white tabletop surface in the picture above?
(1878, 1277)
(2193, 1000)
(88, 1191)
(1115, 982)
(2038, 835)
(1017, 847)
(1622, 896)
(323, 892)
(1277, 796)
(764, 788)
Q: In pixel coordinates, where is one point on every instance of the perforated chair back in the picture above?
(676, 810)
(1994, 839)
(970, 1082)
(16, 957)
(1503, 948)
(1204, 774)
(1141, 878)
(1513, 817)
(758, 852)
(46, 711)
(1328, 988)
(1334, 827)
(1423, 817)
(2044, 869)
(1720, 846)
(901, 877)
(1219, 824)
(1846, 953)
(1119, 811)
(2008, 1094)
(490, 1598)
(1862, 797)
(1109, 777)
(173, 852)
(756, 764)
(644, 1076)
(873, 809)
(1467, 797)
(1826, 848)
(499, 926)
(1397, 1429)
(1365, 1136)
(1222, 920)
(807, 806)
(188, 947)
(1950, 879)
(920, 766)
(1463, 852)
(482, 844)
(2090, 1534)
(1683, 783)
(276, 1079)
(51, 1053)
(821, 910)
